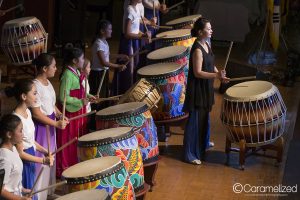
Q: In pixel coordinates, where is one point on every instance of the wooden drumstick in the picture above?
(228, 54)
(175, 5)
(243, 78)
(153, 9)
(37, 179)
(110, 98)
(64, 146)
(135, 54)
(50, 186)
(48, 138)
(146, 28)
(83, 115)
(13, 8)
(164, 2)
(101, 82)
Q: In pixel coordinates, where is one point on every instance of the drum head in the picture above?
(175, 33)
(159, 69)
(91, 167)
(121, 110)
(183, 20)
(22, 21)
(111, 134)
(250, 91)
(86, 194)
(167, 52)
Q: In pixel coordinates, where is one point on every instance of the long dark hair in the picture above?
(8, 123)
(199, 25)
(69, 55)
(43, 60)
(22, 86)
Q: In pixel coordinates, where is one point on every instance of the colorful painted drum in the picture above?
(180, 37)
(107, 173)
(120, 142)
(170, 78)
(253, 111)
(86, 194)
(138, 116)
(186, 22)
(23, 39)
(177, 54)
(142, 91)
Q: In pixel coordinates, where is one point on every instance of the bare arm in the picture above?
(197, 67)
(130, 35)
(11, 196)
(25, 156)
(103, 62)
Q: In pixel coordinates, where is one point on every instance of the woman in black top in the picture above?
(199, 97)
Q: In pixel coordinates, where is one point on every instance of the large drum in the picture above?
(253, 111)
(142, 91)
(23, 39)
(181, 37)
(177, 54)
(184, 22)
(86, 194)
(106, 173)
(120, 142)
(170, 78)
(138, 116)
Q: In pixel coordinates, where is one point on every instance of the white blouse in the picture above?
(11, 162)
(133, 13)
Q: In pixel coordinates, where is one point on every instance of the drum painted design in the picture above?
(138, 116)
(86, 194)
(106, 173)
(177, 54)
(23, 39)
(170, 78)
(181, 37)
(120, 142)
(186, 22)
(142, 91)
(253, 111)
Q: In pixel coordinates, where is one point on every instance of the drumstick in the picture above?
(228, 54)
(1, 1)
(101, 82)
(175, 5)
(12, 8)
(85, 86)
(37, 179)
(164, 1)
(144, 24)
(158, 38)
(135, 54)
(243, 78)
(83, 115)
(48, 138)
(64, 146)
(50, 186)
(153, 9)
(109, 98)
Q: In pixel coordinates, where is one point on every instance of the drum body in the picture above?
(186, 22)
(253, 111)
(138, 116)
(120, 142)
(142, 91)
(106, 173)
(86, 194)
(23, 39)
(177, 54)
(181, 37)
(170, 78)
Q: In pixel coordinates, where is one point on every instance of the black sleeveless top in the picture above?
(199, 91)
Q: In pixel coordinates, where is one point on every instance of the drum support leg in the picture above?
(242, 154)
(279, 144)
(141, 195)
(150, 172)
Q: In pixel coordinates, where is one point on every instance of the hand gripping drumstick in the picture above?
(101, 82)
(13, 8)
(37, 179)
(64, 146)
(175, 5)
(50, 186)
(135, 54)
(228, 54)
(83, 115)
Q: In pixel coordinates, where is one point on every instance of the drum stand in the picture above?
(163, 127)
(244, 150)
(141, 195)
(150, 172)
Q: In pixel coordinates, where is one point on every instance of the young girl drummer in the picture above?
(25, 93)
(45, 113)
(10, 135)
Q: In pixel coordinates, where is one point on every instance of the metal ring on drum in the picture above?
(121, 142)
(170, 78)
(255, 112)
(106, 173)
(186, 22)
(86, 194)
(23, 39)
